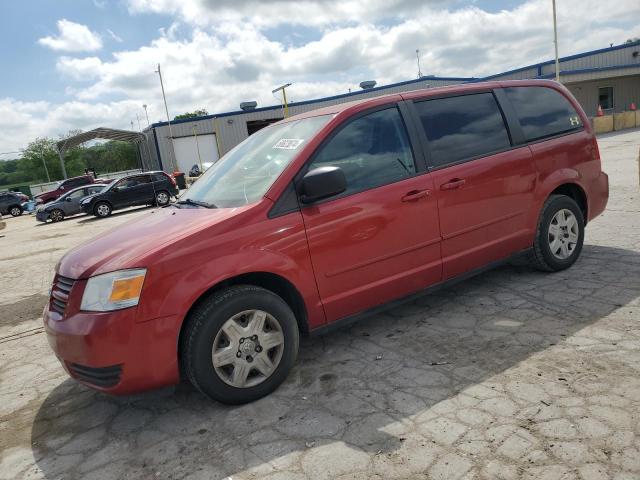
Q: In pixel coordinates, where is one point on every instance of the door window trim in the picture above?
(513, 132)
(289, 200)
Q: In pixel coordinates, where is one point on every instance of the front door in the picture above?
(483, 184)
(379, 240)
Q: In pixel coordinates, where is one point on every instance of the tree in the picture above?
(196, 113)
(40, 152)
(631, 40)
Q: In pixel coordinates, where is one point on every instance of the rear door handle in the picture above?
(452, 184)
(414, 195)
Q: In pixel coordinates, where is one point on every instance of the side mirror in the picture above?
(116, 189)
(322, 182)
(68, 199)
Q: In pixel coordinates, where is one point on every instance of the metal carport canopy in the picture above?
(101, 132)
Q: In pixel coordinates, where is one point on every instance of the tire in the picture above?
(102, 209)
(162, 198)
(227, 311)
(56, 215)
(15, 210)
(557, 246)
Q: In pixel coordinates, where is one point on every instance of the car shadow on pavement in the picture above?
(374, 390)
(91, 218)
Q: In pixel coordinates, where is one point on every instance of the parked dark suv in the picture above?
(10, 203)
(149, 188)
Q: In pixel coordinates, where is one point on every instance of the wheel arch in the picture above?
(577, 193)
(267, 280)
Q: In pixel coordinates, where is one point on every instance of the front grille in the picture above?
(60, 293)
(103, 377)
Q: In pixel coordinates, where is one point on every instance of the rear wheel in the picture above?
(15, 210)
(560, 234)
(240, 344)
(102, 209)
(56, 215)
(162, 198)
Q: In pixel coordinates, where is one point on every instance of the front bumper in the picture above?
(112, 351)
(42, 216)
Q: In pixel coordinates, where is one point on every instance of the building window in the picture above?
(605, 97)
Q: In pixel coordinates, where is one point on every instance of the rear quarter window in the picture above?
(543, 112)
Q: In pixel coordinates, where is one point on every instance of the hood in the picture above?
(132, 244)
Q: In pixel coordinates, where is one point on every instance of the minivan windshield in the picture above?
(245, 173)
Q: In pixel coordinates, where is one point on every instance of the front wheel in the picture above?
(560, 234)
(102, 209)
(240, 344)
(15, 211)
(56, 215)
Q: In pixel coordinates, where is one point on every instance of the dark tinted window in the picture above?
(542, 112)
(372, 150)
(158, 177)
(464, 127)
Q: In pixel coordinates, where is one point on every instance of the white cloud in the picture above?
(218, 66)
(72, 37)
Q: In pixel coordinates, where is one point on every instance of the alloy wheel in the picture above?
(15, 212)
(563, 234)
(248, 348)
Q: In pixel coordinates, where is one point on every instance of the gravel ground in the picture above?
(513, 374)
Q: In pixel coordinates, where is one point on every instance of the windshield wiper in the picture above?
(198, 203)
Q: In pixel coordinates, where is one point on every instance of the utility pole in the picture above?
(166, 108)
(284, 97)
(46, 170)
(138, 118)
(418, 58)
(555, 40)
(146, 114)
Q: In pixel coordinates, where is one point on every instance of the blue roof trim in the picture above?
(316, 100)
(561, 59)
(591, 70)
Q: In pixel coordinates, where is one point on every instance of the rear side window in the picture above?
(543, 112)
(464, 127)
(372, 150)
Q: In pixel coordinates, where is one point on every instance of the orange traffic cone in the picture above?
(600, 113)
(633, 106)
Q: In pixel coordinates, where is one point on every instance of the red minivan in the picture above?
(320, 219)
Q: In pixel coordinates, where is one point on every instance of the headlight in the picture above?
(113, 291)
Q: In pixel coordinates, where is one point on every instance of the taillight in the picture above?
(173, 180)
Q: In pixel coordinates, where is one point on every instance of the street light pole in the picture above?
(166, 108)
(418, 57)
(555, 40)
(146, 114)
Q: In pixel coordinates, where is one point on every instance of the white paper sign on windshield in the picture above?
(288, 143)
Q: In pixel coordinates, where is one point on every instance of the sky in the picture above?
(81, 64)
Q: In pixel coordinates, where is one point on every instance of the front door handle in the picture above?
(414, 195)
(453, 184)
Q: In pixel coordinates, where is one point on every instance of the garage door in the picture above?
(187, 148)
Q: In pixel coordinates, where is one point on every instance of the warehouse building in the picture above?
(609, 78)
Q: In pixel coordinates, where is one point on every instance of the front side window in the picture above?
(77, 194)
(543, 112)
(605, 97)
(372, 150)
(463, 127)
(245, 173)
